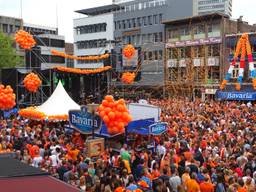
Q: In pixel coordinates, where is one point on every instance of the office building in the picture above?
(202, 7)
(197, 56)
(9, 26)
(140, 23)
(47, 39)
(93, 34)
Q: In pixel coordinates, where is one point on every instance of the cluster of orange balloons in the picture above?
(82, 71)
(114, 114)
(24, 39)
(32, 82)
(7, 97)
(33, 113)
(129, 51)
(97, 57)
(128, 77)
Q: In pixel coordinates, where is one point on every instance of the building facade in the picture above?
(9, 26)
(38, 29)
(202, 7)
(140, 23)
(93, 34)
(196, 52)
(47, 39)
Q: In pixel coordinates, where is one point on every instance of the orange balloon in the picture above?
(111, 115)
(105, 103)
(106, 119)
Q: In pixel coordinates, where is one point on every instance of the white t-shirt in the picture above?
(54, 160)
(36, 161)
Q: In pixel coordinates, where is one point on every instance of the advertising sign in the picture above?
(83, 121)
(158, 128)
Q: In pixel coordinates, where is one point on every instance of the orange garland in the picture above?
(98, 57)
(82, 71)
(114, 114)
(7, 97)
(128, 77)
(32, 113)
(24, 39)
(129, 51)
(32, 82)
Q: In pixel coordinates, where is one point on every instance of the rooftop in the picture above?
(196, 18)
(100, 10)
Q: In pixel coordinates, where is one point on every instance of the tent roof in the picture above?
(59, 103)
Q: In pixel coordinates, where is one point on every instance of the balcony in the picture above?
(214, 34)
(185, 37)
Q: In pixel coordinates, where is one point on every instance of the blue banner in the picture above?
(236, 95)
(84, 121)
(7, 114)
(158, 128)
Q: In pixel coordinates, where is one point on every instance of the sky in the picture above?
(44, 12)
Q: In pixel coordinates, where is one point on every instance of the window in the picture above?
(139, 21)
(11, 28)
(214, 50)
(150, 38)
(160, 37)
(91, 44)
(119, 25)
(160, 55)
(5, 28)
(138, 39)
(150, 20)
(155, 55)
(160, 18)
(144, 38)
(184, 31)
(150, 55)
(155, 37)
(145, 56)
(155, 18)
(144, 19)
(124, 25)
(129, 23)
(133, 22)
(199, 29)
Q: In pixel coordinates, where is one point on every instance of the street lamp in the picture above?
(92, 109)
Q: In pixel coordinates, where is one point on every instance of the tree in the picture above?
(8, 55)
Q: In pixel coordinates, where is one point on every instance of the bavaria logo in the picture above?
(158, 128)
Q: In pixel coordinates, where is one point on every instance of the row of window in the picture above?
(50, 42)
(185, 52)
(144, 5)
(144, 38)
(139, 22)
(198, 29)
(89, 62)
(39, 31)
(210, 2)
(53, 59)
(211, 7)
(153, 55)
(95, 28)
(96, 43)
(9, 28)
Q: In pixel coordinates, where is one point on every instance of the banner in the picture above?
(83, 121)
(158, 128)
(235, 95)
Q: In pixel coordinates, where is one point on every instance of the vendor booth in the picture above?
(56, 108)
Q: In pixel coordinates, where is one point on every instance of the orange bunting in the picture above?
(97, 57)
(7, 97)
(32, 113)
(129, 51)
(24, 39)
(114, 114)
(128, 77)
(82, 71)
(32, 82)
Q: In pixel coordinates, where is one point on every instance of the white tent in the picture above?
(59, 103)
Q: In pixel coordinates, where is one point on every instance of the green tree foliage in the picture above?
(8, 55)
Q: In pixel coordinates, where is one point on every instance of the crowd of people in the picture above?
(209, 147)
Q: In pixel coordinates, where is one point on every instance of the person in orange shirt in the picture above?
(241, 187)
(192, 185)
(155, 172)
(206, 186)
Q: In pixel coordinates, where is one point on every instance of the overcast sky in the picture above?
(43, 12)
